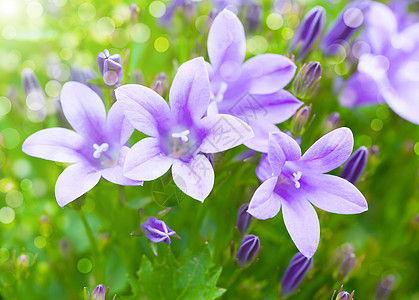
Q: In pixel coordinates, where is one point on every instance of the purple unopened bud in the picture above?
(347, 265)
(157, 231)
(110, 67)
(22, 261)
(331, 122)
(159, 84)
(384, 287)
(295, 273)
(243, 218)
(349, 20)
(308, 32)
(83, 75)
(299, 120)
(344, 296)
(134, 10)
(99, 292)
(355, 165)
(306, 83)
(248, 249)
(253, 16)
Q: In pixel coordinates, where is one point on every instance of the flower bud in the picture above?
(295, 273)
(133, 10)
(35, 97)
(110, 67)
(344, 296)
(306, 83)
(157, 231)
(99, 292)
(331, 122)
(309, 30)
(299, 120)
(355, 165)
(160, 84)
(253, 16)
(384, 287)
(345, 25)
(83, 75)
(243, 218)
(347, 265)
(248, 249)
(22, 261)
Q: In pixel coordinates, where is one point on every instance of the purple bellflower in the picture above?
(96, 148)
(253, 90)
(296, 182)
(388, 67)
(157, 231)
(346, 24)
(248, 249)
(309, 30)
(110, 67)
(295, 273)
(179, 133)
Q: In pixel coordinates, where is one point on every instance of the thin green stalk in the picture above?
(89, 232)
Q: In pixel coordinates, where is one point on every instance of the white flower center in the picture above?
(220, 94)
(100, 149)
(183, 136)
(297, 176)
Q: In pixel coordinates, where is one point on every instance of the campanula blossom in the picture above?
(180, 132)
(110, 67)
(388, 67)
(308, 32)
(157, 231)
(248, 249)
(253, 90)
(307, 81)
(346, 24)
(297, 182)
(96, 148)
(295, 273)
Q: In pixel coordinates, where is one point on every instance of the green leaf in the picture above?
(192, 276)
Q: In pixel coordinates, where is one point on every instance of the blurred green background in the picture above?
(97, 238)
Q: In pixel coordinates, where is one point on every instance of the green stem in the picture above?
(88, 232)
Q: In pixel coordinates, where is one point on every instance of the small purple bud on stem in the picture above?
(295, 273)
(253, 16)
(307, 81)
(157, 231)
(311, 27)
(346, 24)
(134, 11)
(99, 292)
(347, 265)
(110, 67)
(248, 249)
(384, 287)
(344, 296)
(355, 165)
(243, 219)
(22, 261)
(160, 84)
(299, 120)
(331, 122)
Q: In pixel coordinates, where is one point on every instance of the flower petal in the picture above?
(264, 169)
(190, 91)
(83, 109)
(329, 152)
(115, 174)
(302, 223)
(145, 161)
(334, 194)
(226, 45)
(195, 178)
(360, 89)
(117, 125)
(143, 107)
(268, 73)
(74, 181)
(56, 144)
(224, 132)
(261, 129)
(282, 148)
(265, 203)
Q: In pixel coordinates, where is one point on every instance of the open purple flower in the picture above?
(110, 67)
(253, 90)
(388, 65)
(95, 149)
(157, 231)
(179, 133)
(296, 182)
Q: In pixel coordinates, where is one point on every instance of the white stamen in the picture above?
(297, 176)
(221, 91)
(182, 135)
(99, 149)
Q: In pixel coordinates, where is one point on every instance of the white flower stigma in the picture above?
(99, 149)
(182, 135)
(221, 91)
(297, 176)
